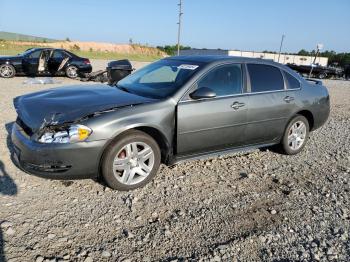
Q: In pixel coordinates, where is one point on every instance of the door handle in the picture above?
(288, 99)
(236, 105)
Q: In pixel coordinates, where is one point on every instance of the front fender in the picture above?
(159, 116)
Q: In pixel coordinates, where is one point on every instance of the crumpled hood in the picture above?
(67, 104)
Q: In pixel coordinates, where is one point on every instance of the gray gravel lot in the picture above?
(256, 206)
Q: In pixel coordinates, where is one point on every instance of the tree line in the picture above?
(172, 49)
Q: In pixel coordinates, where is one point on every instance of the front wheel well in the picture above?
(159, 138)
(309, 116)
(10, 65)
(155, 134)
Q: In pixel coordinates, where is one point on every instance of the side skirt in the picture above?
(182, 158)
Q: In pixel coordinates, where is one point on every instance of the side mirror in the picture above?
(202, 92)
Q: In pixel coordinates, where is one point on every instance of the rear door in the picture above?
(55, 60)
(211, 124)
(270, 107)
(30, 62)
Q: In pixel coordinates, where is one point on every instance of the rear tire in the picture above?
(131, 161)
(295, 135)
(322, 75)
(7, 71)
(72, 72)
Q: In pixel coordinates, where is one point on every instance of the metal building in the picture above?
(284, 58)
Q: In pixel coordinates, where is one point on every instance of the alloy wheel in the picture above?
(72, 72)
(133, 163)
(6, 71)
(297, 135)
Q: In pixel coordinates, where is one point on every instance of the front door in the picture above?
(216, 123)
(30, 62)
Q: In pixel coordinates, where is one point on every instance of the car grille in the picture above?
(25, 128)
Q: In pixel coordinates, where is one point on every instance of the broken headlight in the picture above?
(71, 134)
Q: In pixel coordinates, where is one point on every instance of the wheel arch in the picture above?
(309, 116)
(10, 63)
(159, 137)
(154, 132)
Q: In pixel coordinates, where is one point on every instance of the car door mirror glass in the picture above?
(203, 92)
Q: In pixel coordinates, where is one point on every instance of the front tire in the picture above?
(7, 71)
(295, 135)
(131, 161)
(322, 75)
(72, 72)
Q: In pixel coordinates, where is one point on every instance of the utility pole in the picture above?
(279, 53)
(179, 28)
(319, 47)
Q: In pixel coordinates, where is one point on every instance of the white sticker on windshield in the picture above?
(188, 67)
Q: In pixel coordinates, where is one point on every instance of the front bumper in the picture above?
(56, 161)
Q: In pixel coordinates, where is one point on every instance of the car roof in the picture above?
(208, 59)
(40, 48)
(46, 48)
(221, 58)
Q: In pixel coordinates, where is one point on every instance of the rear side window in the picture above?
(293, 83)
(223, 80)
(58, 54)
(265, 78)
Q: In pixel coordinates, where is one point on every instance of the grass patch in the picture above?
(13, 49)
(116, 56)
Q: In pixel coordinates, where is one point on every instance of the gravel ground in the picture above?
(256, 206)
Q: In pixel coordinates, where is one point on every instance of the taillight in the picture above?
(87, 62)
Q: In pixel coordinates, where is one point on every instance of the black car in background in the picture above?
(44, 62)
(318, 71)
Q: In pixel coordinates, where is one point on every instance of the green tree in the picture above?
(172, 49)
(303, 52)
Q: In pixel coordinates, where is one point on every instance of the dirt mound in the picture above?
(96, 46)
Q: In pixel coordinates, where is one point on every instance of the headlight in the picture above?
(71, 134)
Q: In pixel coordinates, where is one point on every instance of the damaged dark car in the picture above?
(44, 62)
(175, 109)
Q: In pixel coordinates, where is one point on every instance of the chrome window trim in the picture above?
(211, 99)
(247, 84)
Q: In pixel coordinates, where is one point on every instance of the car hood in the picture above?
(10, 57)
(68, 104)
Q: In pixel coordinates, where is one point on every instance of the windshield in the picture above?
(160, 79)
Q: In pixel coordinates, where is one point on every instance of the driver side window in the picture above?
(223, 80)
(35, 54)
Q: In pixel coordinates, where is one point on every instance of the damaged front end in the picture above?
(53, 135)
(52, 131)
(64, 134)
(55, 149)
